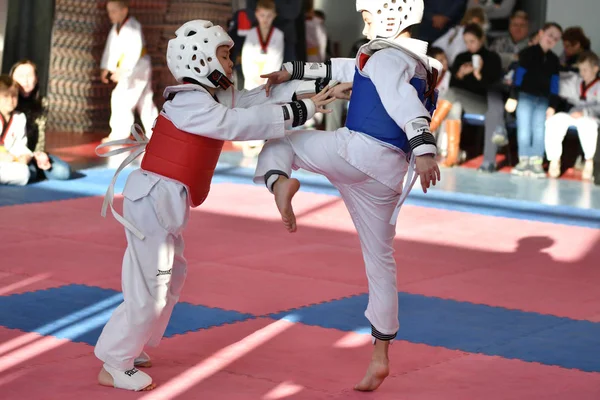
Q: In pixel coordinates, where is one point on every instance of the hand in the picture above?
(550, 112)
(342, 91)
(275, 78)
(116, 76)
(511, 105)
(428, 170)
(104, 76)
(465, 69)
(440, 21)
(322, 99)
(42, 160)
(577, 114)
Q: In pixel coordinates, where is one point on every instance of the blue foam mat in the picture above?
(79, 312)
(474, 328)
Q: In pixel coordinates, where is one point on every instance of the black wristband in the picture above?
(300, 113)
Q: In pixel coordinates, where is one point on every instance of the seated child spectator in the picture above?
(43, 165)
(584, 115)
(14, 154)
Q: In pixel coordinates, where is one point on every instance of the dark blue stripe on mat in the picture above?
(470, 327)
(95, 182)
(79, 312)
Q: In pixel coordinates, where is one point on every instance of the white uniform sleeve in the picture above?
(282, 93)
(198, 113)
(109, 57)
(132, 42)
(342, 69)
(391, 77)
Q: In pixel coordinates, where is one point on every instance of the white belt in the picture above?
(411, 178)
(139, 147)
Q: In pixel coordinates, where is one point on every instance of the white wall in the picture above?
(584, 13)
(3, 16)
(343, 23)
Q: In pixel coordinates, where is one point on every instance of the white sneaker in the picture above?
(554, 169)
(588, 170)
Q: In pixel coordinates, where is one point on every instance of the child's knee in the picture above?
(18, 175)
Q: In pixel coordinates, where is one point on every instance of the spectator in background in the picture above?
(443, 83)
(238, 28)
(14, 154)
(30, 103)
(126, 62)
(535, 98)
(497, 11)
(509, 46)
(473, 72)
(574, 43)
(263, 47)
(452, 42)
(584, 115)
(439, 16)
(289, 12)
(262, 54)
(316, 35)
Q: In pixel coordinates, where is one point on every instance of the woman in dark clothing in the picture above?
(43, 165)
(473, 73)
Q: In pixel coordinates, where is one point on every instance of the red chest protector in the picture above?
(183, 157)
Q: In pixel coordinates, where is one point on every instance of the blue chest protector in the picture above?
(367, 114)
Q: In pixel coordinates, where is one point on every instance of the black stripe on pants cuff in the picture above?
(381, 336)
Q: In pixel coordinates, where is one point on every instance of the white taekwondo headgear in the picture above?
(193, 53)
(392, 16)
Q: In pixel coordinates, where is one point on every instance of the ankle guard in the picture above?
(272, 176)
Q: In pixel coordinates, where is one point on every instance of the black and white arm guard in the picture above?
(298, 112)
(421, 140)
(308, 71)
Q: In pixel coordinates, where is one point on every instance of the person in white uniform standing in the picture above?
(126, 62)
(262, 52)
(386, 134)
(175, 174)
(263, 48)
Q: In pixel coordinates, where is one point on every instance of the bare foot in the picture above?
(284, 190)
(376, 373)
(106, 379)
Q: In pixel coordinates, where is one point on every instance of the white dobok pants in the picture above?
(154, 268)
(133, 93)
(370, 204)
(556, 130)
(14, 173)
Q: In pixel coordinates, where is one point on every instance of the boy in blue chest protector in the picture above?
(386, 138)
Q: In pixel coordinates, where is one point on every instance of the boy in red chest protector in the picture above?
(176, 172)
